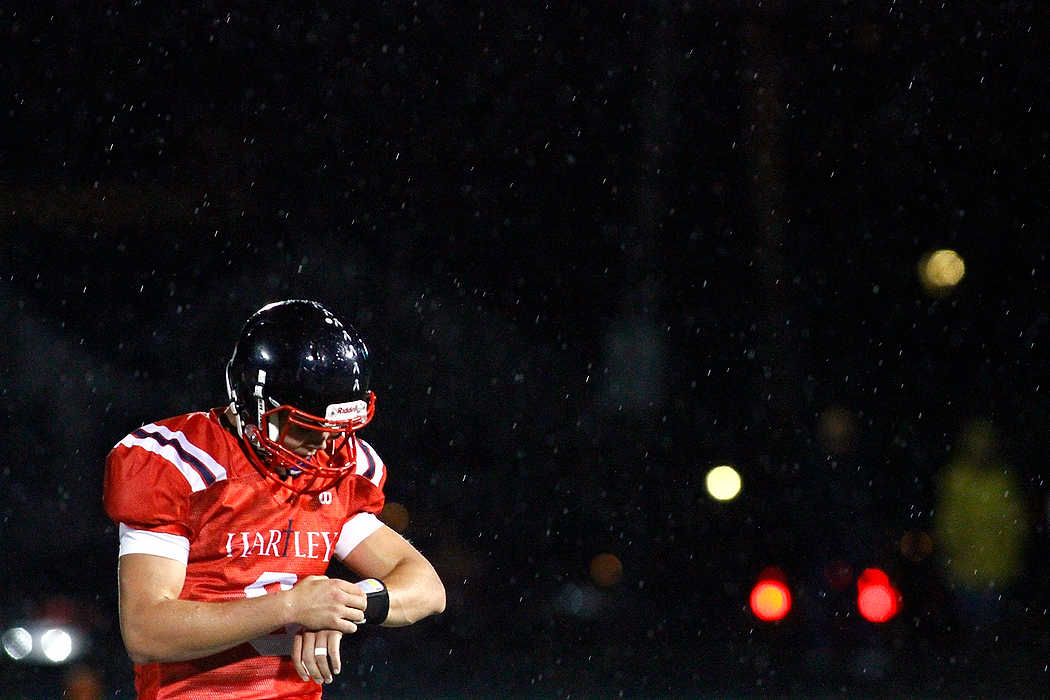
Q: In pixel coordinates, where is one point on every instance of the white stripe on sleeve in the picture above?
(161, 544)
(369, 458)
(171, 453)
(355, 531)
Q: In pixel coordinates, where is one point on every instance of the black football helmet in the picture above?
(295, 364)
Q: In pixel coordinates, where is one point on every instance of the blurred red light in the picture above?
(770, 600)
(872, 577)
(838, 574)
(876, 598)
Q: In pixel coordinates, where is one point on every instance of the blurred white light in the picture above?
(723, 483)
(581, 601)
(570, 598)
(56, 644)
(18, 643)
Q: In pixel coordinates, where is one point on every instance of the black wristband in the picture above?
(378, 600)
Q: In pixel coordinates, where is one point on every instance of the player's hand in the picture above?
(311, 663)
(322, 603)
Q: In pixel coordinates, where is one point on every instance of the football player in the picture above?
(228, 520)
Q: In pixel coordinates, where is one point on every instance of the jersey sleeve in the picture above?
(150, 477)
(368, 481)
(370, 475)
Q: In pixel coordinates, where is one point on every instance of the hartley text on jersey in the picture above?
(288, 542)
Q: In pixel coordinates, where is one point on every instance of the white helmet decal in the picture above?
(351, 410)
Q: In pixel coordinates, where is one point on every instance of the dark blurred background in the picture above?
(597, 248)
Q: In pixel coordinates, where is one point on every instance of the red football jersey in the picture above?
(183, 488)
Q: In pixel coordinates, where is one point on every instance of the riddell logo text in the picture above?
(281, 543)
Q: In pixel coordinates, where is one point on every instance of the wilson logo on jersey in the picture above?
(308, 544)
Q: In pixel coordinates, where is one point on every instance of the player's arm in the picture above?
(158, 626)
(414, 587)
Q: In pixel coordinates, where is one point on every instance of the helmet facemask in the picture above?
(331, 438)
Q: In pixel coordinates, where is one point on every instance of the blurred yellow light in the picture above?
(723, 483)
(606, 570)
(770, 600)
(395, 516)
(83, 683)
(941, 270)
(838, 429)
(916, 545)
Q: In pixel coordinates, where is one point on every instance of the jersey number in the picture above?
(277, 643)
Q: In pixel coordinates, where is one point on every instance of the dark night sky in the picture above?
(596, 248)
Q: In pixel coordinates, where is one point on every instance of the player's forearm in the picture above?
(415, 591)
(179, 630)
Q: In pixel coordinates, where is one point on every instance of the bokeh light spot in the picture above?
(56, 644)
(876, 598)
(916, 545)
(18, 643)
(723, 483)
(837, 430)
(838, 574)
(770, 600)
(941, 270)
(606, 570)
(395, 516)
(84, 683)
